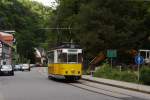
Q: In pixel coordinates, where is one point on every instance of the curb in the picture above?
(119, 86)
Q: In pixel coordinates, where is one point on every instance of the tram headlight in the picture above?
(66, 72)
(78, 72)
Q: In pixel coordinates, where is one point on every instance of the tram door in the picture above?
(50, 62)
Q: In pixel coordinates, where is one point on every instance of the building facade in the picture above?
(6, 42)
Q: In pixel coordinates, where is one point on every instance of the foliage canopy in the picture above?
(26, 18)
(99, 25)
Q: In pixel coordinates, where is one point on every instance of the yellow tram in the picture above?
(65, 62)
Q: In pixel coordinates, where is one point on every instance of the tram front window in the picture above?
(72, 58)
(62, 58)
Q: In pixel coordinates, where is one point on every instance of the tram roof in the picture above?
(68, 46)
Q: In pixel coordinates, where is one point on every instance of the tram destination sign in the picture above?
(72, 50)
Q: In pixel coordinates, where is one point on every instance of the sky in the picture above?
(50, 3)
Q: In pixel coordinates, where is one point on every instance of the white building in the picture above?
(5, 53)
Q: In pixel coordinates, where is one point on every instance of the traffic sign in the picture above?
(139, 60)
(112, 53)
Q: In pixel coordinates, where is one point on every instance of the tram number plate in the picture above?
(73, 71)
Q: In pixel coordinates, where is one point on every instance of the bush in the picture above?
(128, 76)
(145, 75)
(106, 71)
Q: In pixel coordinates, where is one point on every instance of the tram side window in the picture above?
(51, 57)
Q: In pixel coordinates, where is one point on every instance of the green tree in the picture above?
(26, 18)
(99, 25)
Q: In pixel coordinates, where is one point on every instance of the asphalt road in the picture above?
(35, 85)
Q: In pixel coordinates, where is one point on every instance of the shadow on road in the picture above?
(63, 80)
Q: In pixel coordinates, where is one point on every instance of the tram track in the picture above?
(83, 84)
(88, 86)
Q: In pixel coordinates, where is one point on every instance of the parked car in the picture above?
(38, 65)
(6, 70)
(25, 67)
(32, 65)
(18, 67)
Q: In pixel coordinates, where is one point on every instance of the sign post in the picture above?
(139, 60)
(112, 53)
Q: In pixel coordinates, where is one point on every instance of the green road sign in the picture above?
(112, 53)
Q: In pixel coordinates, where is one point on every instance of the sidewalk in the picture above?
(120, 84)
